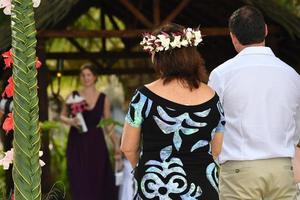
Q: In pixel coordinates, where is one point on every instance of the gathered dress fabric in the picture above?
(89, 169)
(175, 158)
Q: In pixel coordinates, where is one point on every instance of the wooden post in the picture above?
(176, 11)
(156, 12)
(43, 81)
(137, 13)
(103, 27)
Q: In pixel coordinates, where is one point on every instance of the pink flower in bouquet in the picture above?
(77, 104)
(6, 4)
(38, 63)
(78, 107)
(8, 124)
(8, 60)
(9, 89)
(8, 159)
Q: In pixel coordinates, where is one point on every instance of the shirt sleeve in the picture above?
(138, 109)
(221, 125)
(215, 83)
(298, 125)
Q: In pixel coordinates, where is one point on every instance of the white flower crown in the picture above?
(165, 41)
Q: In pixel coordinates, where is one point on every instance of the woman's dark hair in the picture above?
(184, 64)
(248, 25)
(90, 67)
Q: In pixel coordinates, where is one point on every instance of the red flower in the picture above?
(8, 59)
(9, 89)
(38, 63)
(8, 124)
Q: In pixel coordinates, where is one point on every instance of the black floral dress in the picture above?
(175, 160)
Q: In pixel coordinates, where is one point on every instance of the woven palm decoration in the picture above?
(26, 168)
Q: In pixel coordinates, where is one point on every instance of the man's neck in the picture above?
(262, 44)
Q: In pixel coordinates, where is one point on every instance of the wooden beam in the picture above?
(101, 55)
(207, 31)
(82, 50)
(137, 13)
(91, 33)
(120, 71)
(156, 12)
(176, 11)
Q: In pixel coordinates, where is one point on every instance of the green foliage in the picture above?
(291, 5)
(88, 21)
(26, 168)
(107, 122)
(48, 125)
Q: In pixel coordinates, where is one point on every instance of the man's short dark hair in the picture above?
(248, 25)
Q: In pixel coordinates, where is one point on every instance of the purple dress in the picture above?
(89, 169)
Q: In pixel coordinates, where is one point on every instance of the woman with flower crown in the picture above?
(174, 125)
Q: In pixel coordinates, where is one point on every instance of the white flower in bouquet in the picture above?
(148, 48)
(189, 35)
(159, 48)
(184, 42)
(74, 99)
(198, 37)
(164, 40)
(36, 3)
(176, 42)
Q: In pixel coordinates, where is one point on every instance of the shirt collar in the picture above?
(256, 50)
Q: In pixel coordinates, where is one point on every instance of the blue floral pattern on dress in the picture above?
(174, 125)
(167, 177)
(136, 108)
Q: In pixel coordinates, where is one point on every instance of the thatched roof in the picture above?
(58, 14)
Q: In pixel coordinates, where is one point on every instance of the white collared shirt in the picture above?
(260, 96)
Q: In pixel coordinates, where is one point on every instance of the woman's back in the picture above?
(176, 129)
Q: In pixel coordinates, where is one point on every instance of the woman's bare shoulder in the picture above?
(207, 89)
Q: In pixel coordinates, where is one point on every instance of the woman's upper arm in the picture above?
(130, 138)
(106, 111)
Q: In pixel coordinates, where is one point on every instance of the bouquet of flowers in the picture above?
(77, 105)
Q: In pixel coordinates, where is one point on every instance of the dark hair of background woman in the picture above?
(248, 25)
(90, 67)
(184, 64)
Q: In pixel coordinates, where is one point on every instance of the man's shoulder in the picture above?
(223, 67)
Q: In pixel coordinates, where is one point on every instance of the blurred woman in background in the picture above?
(89, 168)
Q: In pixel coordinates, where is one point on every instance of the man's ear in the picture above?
(266, 30)
(233, 39)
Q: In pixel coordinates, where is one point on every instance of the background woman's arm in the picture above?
(115, 139)
(71, 121)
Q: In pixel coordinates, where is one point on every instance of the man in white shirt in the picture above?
(261, 100)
